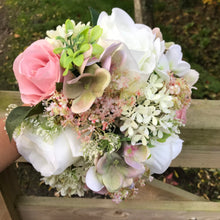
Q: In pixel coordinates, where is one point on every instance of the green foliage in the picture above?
(207, 86)
(59, 86)
(68, 25)
(72, 54)
(17, 116)
(94, 16)
(164, 138)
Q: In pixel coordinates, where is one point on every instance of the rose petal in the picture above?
(37, 70)
(49, 158)
(163, 154)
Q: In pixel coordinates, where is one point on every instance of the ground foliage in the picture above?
(195, 25)
(192, 24)
(202, 182)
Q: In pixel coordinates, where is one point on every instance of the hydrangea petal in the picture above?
(92, 181)
(191, 77)
(163, 67)
(83, 102)
(112, 180)
(72, 91)
(174, 55)
(181, 69)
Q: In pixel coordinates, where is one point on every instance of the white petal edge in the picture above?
(191, 77)
(163, 154)
(92, 181)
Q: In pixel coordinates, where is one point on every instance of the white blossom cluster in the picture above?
(152, 114)
(69, 182)
(94, 148)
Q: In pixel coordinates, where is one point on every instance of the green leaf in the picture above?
(94, 16)
(68, 61)
(17, 116)
(150, 145)
(149, 157)
(164, 138)
(62, 59)
(84, 32)
(65, 72)
(36, 110)
(70, 52)
(76, 53)
(61, 39)
(68, 25)
(84, 48)
(65, 61)
(58, 50)
(78, 60)
(59, 86)
(97, 50)
(95, 34)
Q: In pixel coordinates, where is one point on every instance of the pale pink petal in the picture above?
(134, 164)
(157, 33)
(83, 102)
(87, 56)
(181, 114)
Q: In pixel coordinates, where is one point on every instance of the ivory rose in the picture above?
(37, 70)
(49, 157)
(162, 154)
(139, 38)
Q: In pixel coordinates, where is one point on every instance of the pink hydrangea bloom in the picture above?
(181, 114)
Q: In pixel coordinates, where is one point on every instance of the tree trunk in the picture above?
(143, 10)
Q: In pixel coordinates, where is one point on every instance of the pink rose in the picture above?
(37, 70)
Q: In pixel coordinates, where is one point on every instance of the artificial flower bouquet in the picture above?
(105, 103)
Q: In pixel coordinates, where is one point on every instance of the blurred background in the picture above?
(194, 24)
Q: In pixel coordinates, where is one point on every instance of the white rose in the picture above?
(162, 154)
(140, 40)
(49, 158)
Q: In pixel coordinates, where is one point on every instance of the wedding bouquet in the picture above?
(105, 103)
